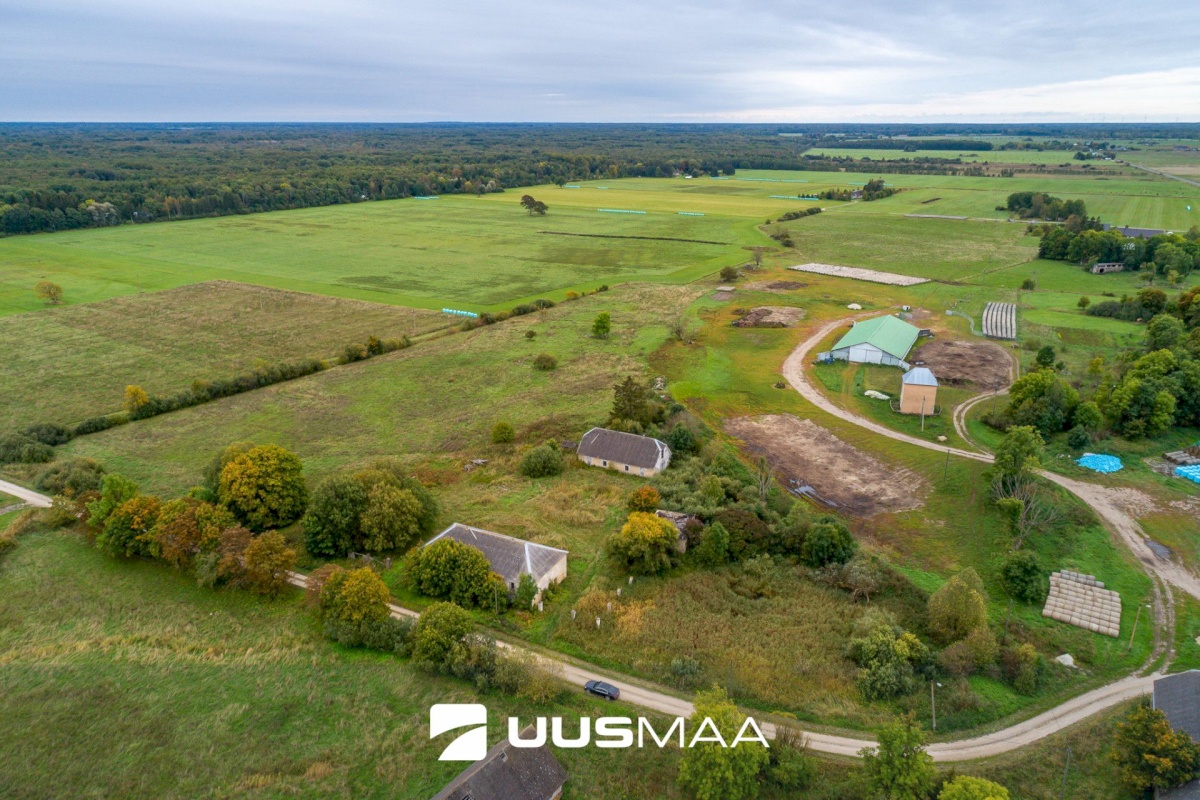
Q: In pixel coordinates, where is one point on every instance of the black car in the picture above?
(602, 689)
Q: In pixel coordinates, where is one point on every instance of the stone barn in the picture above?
(918, 391)
(509, 557)
(624, 452)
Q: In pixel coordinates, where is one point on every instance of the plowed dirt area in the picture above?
(957, 363)
(803, 453)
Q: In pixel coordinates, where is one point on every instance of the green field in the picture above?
(1044, 157)
(77, 360)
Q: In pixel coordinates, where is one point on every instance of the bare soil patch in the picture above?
(803, 453)
(770, 317)
(775, 286)
(956, 363)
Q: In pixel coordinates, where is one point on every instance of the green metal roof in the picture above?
(891, 335)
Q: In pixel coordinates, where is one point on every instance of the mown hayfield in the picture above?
(73, 362)
(480, 253)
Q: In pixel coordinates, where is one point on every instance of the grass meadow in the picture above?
(77, 360)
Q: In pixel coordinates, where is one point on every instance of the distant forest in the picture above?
(64, 176)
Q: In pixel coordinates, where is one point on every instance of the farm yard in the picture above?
(162, 306)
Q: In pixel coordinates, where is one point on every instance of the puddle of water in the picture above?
(1160, 550)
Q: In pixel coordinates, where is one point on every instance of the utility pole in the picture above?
(933, 704)
(1067, 766)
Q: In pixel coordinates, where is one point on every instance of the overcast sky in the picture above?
(515, 60)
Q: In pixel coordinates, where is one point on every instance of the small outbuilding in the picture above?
(1103, 267)
(509, 557)
(918, 391)
(1178, 697)
(509, 773)
(883, 340)
(624, 452)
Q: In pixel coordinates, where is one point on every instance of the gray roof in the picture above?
(508, 773)
(623, 448)
(509, 557)
(1178, 696)
(919, 376)
(1137, 233)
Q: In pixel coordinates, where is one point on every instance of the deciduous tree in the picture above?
(332, 523)
(709, 771)
(899, 768)
(52, 293)
(440, 628)
(964, 787)
(126, 532)
(602, 325)
(958, 607)
(645, 545)
(268, 560)
(264, 487)
(1150, 754)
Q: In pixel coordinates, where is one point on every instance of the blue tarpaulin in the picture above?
(1190, 473)
(1099, 463)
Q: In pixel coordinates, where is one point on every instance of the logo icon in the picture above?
(470, 746)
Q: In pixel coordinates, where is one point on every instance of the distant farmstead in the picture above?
(883, 340)
(624, 452)
(509, 557)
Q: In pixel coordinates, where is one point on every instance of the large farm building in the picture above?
(883, 340)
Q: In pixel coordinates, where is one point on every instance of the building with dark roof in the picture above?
(1135, 233)
(624, 452)
(509, 773)
(509, 557)
(1178, 696)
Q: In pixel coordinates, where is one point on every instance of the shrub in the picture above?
(713, 550)
(965, 787)
(645, 545)
(958, 607)
(644, 499)
(1023, 578)
(1029, 284)
(126, 531)
(48, 433)
(1078, 438)
(602, 325)
(729, 274)
(749, 536)
(114, 491)
(264, 487)
(541, 462)
(899, 768)
(72, 477)
(268, 560)
(983, 647)
(16, 448)
(1088, 417)
(354, 596)
(527, 592)
(503, 433)
(183, 526)
(450, 570)
(231, 554)
(135, 399)
(438, 630)
(711, 772)
(544, 362)
(97, 424)
(1023, 667)
(681, 440)
(332, 521)
(828, 542)
(889, 659)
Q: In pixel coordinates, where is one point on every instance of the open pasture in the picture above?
(73, 362)
(482, 253)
